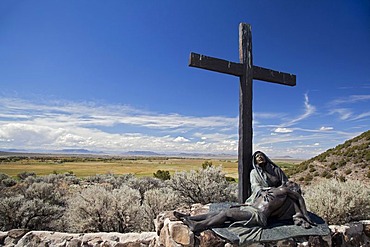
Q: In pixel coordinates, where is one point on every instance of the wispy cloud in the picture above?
(308, 111)
(350, 99)
(344, 113)
(50, 125)
(57, 125)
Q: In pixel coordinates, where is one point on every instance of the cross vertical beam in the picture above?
(246, 72)
(245, 112)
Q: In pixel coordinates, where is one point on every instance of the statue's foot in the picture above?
(180, 215)
(306, 225)
(188, 223)
(302, 222)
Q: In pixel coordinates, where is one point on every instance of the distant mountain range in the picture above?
(76, 151)
(11, 152)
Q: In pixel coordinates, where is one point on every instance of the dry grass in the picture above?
(140, 167)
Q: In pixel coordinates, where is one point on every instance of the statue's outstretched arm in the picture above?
(301, 207)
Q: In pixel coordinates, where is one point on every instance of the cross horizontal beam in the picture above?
(215, 64)
(237, 69)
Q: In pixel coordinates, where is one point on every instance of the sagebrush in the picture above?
(339, 202)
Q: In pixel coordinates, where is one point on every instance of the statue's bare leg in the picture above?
(202, 222)
(198, 217)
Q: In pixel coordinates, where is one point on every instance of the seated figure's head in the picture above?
(293, 186)
(259, 158)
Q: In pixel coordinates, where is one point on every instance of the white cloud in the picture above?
(51, 125)
(283, 130)
(323, 128)
(58, 125)
(181, 139)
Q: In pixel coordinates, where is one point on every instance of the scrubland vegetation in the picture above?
(64, 196)
(126, 203)
(122, 203)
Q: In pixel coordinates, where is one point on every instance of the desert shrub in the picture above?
(98, 209)
(102, 179)
(7, 182)
(308, 177)
(348, 171)
(144, 184)
(116, 181)
(230, 179)
(324, 173)
(367, 156)
(20, 212)
(333, 166)
(342, 178)
(339, 202)
(24, 175)
(9, 217)
(48, 193)
(162, 175)
(3, 176)
(312, 169)
(156, 201)
(67, 178)
(206, 164)
(203, 186)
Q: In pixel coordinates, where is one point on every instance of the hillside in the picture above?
(350, 160)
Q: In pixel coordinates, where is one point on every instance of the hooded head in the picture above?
(259, 158)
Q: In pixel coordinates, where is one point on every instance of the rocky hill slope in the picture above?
(350, 160)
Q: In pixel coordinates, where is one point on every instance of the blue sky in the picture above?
(113, 76)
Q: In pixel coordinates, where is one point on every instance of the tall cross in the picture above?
(246, 71)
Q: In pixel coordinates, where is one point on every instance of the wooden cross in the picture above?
(246, 71)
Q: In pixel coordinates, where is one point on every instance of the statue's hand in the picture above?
(304, 221)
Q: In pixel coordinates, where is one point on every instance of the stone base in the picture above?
(20, 238)
(173, 233)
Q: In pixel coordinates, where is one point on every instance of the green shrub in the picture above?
(308, 178)
(312, 169)
(339, 202)
(8, 182)
(324, 173)
(342, 178)
(207, 164)
(348, 171)
(333, 166)
(162, 175)
(24, 175)
(230, 179)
